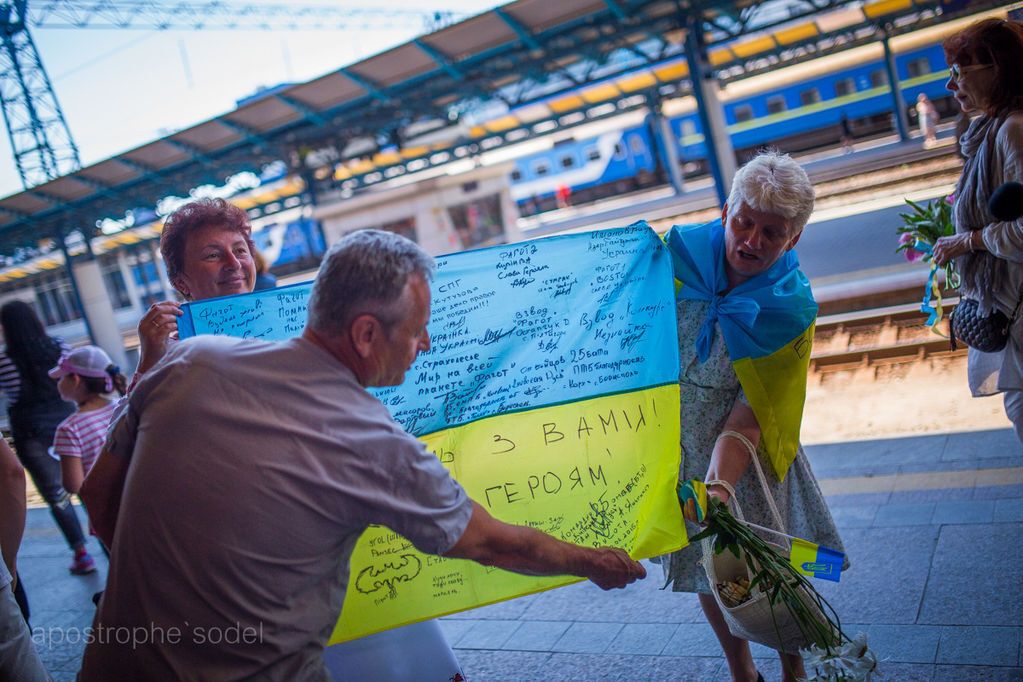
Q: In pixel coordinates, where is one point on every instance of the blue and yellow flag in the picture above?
(767, 323)
(692, 495)
(816, 561)
(550, 393)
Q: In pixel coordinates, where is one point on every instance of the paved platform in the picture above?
(932, 524)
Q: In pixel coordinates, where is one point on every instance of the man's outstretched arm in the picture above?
(527, 550)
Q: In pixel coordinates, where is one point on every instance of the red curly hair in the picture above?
(192, 217)
(992, 41)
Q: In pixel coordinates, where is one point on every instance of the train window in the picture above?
(406, 227)
(878, 79)
(688, 127)
(921, 66)
(811, 96)
(541, 168)
(44, 303)
(743, 112)
(55, 300)
(636, 145)
(117, 290)
(146, 276)
(775, 104)
(592, 154)
(844, 86)
(516, 175)
(478, 221)
(568, 161)
(145, 271)
(619, 153)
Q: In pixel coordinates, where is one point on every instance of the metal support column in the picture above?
(898, 102)
(143, 275)
(167, 290)
(134, 295)
(94, 302)
(68, 266)
(720, 154)
(665, 146)
(310, 185)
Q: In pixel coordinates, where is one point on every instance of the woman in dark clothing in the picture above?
(35, 408)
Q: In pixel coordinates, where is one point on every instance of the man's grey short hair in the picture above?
(772, 182)
(365, 272)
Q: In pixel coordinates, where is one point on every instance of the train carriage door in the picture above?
(689, 137)
(638, 144)
(620, 155)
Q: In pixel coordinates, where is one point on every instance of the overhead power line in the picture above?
(213, 14)
(39, 135)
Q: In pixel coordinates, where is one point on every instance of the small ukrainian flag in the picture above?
(693, 496)
(816, 561)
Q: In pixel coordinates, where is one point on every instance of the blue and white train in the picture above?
(797, 108)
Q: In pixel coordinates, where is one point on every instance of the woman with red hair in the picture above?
(984, 61)
(207, 248)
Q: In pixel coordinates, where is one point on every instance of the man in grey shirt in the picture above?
(254, 468)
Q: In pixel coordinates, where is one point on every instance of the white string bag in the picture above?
(753, 619)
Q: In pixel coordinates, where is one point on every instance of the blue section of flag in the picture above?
(271, 314)
(827, 566)
(513, 327)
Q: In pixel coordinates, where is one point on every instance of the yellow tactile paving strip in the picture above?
(970, 478)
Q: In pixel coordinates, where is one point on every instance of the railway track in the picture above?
(879, 338)
(881, 373)
(893, 170)
(911, 175)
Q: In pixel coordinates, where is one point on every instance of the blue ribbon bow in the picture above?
(757, 317)
(739, 310)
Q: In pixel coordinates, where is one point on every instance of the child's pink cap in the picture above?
(87, 361)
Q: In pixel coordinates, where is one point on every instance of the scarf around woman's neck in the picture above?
(767, 323)
(982, 175)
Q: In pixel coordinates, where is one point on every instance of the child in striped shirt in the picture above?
(85, 376)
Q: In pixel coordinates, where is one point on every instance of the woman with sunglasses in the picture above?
(984, 62)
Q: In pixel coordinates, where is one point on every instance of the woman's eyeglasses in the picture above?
(956, 72)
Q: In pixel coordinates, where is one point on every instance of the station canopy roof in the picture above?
(488, 78)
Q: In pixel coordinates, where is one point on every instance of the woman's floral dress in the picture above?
(709, 391)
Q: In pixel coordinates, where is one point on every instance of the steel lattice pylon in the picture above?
(40, 138)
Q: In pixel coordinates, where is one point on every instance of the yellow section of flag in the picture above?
(598, 472)
(775, 386)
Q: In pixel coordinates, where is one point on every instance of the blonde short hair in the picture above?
(772, 182)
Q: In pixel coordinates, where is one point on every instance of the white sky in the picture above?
(122, 88)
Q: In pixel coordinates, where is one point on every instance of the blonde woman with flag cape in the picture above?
(745, 326)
